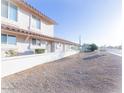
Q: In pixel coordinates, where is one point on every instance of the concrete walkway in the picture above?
(81, 73)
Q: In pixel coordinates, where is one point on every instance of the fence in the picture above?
(16, 64)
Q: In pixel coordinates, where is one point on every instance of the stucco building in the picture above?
(24, 29)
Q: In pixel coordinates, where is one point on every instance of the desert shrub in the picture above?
(39, 51)
(11, 53)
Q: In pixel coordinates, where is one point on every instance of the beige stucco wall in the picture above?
(47, 30)
(24, 43)
(24, 20)
(21, 44)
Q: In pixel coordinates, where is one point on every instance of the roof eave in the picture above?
(45, 18)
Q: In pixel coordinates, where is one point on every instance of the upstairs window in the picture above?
(8, 10)
(36, 23)
(4, 8)
(12, 12)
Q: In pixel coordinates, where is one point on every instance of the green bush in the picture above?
(39, 51)
(93, 47)
(11, 53)
(89, 47)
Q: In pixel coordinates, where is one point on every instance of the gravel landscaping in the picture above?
(96, 72)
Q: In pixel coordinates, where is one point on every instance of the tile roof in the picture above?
(32, 33)
(40, 14)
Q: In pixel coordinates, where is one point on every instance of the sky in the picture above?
(96, 21)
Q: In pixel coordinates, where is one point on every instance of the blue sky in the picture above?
(97, 21)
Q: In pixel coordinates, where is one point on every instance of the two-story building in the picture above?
(24, 29)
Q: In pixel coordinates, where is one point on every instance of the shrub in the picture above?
(39, 51)
(89, 47)
(93, 47)
(11, 53)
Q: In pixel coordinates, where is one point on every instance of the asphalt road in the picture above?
(117, 52)
(80, 73)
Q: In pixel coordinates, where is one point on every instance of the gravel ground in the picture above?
(80, 73)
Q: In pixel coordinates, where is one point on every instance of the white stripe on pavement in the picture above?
(115, 54)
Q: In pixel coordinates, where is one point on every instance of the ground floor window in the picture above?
(3, 38)
(11, 39)
(33, 41)
(36, 42)
(8, 39)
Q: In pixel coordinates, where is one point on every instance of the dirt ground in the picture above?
(80, 73)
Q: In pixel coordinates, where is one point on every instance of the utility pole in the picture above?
(80, 42)
(80, 39)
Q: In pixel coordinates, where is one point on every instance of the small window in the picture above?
(4, 8)
(4, 39)
(36, 23)
(11, 39)
(33, 41)
(38, 42)
(12, 12)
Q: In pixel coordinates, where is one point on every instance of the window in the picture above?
(11, 39)
(8, 10)
(8, 39)
(36, 42)
(33, 41)
(12, 12)
(36, 22)
(4, 8)
(3, 38)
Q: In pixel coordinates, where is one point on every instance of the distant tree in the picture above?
(93, 47)
(89, 47)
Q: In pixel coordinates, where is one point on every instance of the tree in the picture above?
(93, 47)
(89, 47)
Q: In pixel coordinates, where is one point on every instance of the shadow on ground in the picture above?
(93, 57)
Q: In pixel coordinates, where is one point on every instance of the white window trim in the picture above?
(37, 42)
(9, 11)
(7, 8)
(32, 21)
(7, 40)
(17, 10)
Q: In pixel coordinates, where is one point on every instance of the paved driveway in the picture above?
(80, 73)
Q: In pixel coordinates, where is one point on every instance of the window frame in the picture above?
(35, 20)
(32, 41)
(7, 35)
(37, 42)
(9, 4)
(8, 10)
(6, 39)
